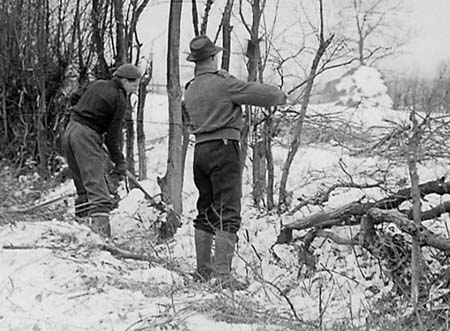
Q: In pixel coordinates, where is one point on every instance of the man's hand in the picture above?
(114, 182)
(119, 171)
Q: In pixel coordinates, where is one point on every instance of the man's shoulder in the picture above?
(223, 73)
(210, 75)
(109, 87)
(102, 84)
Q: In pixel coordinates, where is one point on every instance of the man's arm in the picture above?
(249, 93)
(113, 139)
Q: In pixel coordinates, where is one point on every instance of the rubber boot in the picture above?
(203, 242)
(224, 252)
(100, 223)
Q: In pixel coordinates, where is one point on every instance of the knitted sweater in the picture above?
(102, 108)
(213, 101)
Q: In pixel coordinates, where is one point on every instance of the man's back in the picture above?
(213, 101)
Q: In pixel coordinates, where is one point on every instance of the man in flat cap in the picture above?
(213, 101)
(97, 119)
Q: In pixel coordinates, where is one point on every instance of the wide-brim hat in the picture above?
(201, 48)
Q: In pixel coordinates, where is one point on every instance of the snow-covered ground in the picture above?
(58, 275)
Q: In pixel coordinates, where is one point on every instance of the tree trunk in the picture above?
(120, 33)
(42, 44)
(416, 255)
(185, 139)
(267, 136)
(120, 59)
(130, 139)
(41, 131)
(171, 184)
(142, 156)
(253, 54)
(359, 28)
(4, 113)
(195, 17)
(244, 135)
(97, 38)
(259, 173)
(226, 35)
(204, 24)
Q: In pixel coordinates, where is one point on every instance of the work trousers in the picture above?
(217, 176)
(83, 149)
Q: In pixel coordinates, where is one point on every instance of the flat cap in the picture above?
(128, 71)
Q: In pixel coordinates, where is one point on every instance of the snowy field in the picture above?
(57, 275)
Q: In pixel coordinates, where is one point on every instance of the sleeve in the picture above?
(113, 139)
(250, 93)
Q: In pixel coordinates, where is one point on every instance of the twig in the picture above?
(291, 305)
(40, 205)
(119, 252)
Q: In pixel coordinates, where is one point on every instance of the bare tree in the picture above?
(367, 22)
(42, 24)
(99, 14)
(416, 256)
(295, 143)
(31, 67)
(254, 73)
(128, 43)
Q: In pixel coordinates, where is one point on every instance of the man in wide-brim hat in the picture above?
(213, 101)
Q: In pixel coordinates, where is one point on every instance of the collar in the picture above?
(201, 69)
(119, 84)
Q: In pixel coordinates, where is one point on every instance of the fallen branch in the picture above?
(332, 217)
(436, 186)
(393, 201)
(32, 209)
(345, 214)
(124, 254)
(337, 239)
(433, 212)
(324, 196)
(114, 250)
(406, 225)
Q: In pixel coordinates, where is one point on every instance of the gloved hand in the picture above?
(113, 181)
(120, 171)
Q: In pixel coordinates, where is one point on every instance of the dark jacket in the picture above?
(102, 108)
(213, 101)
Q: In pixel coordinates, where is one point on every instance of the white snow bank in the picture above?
(364, 87)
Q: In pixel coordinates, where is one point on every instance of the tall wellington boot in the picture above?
(224, 251)
(203, 242)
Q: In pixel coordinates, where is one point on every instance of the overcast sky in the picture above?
(430, 20)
